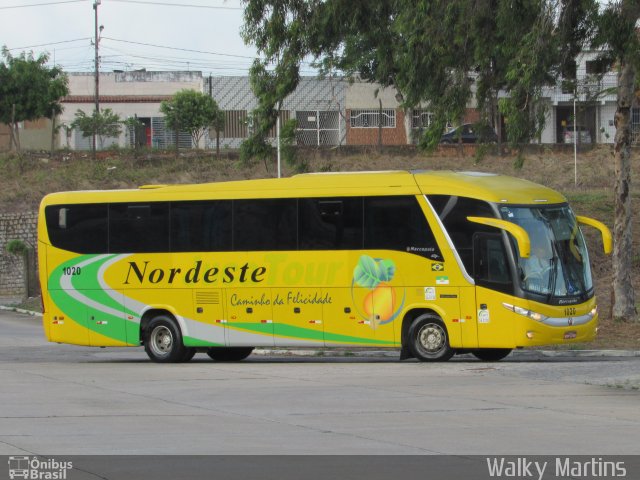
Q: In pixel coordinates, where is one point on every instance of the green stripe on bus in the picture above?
(86, 315)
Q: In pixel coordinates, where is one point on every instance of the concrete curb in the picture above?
(20, 310)
(523, 354)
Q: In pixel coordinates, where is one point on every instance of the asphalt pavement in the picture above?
(69, 400)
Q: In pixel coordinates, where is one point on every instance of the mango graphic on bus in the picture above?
(380, 302)
(379, 305)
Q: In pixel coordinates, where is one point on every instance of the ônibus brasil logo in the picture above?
(35, 468)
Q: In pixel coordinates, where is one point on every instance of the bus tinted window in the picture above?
(260, 225)
(201, 226)
(139, 227)
(453, 212)
(78, 228)
(398, 223)
(330, 223)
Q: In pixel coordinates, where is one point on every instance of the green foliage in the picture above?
(431, 51)
(104, 123)
(30, 88)
(17, 247)
(27, 83)
(193, 112)
(255, 148)
(288, 149)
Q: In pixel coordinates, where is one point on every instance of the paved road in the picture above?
(66, 400)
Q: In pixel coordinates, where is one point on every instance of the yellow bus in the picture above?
(432, 263)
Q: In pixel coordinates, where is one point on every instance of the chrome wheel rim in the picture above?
(432, 338)
(161, 341)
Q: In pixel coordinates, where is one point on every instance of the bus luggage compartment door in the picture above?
(249, 317)
(297, 316)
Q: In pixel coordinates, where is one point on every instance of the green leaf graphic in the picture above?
(369, 272)
(366, 273)
(386, 270)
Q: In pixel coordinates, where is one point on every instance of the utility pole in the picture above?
(97, 71)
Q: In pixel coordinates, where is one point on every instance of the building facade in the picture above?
(129, 94)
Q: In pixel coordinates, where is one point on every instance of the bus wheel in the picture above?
(428, 339)
(229, 354)
(491, 354)
(163, 340)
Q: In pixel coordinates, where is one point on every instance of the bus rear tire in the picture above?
(229, 354)
(163, 340)
(428, 339)
(491, 354)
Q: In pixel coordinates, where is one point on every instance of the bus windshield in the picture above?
(559, 262)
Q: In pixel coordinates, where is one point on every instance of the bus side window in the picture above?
(139, 227)
(398, 223)
(330, 223)
(201, 226)
(267, 224)
(491, 269)
(80, 228)
(453, 212)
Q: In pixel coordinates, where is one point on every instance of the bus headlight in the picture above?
(538, 317)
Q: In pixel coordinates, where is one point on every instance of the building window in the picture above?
(235, 124)
(421, 118)
(597, 67)
(373, 119)
(318, 127)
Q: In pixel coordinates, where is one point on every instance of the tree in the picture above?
(618, 39)
(29, 90)
(431, 51)
(191, 111)
(217, 125)
(442, 52)
(103, 123)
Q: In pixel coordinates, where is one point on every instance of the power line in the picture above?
(42, 4)
(176, 48)
(52, 43)
(164, 4)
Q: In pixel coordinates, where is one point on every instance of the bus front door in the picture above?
(494, 287)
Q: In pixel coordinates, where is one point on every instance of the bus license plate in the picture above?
(570, 335)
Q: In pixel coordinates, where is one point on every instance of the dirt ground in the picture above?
(587, 182)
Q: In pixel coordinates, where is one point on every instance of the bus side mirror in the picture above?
(607, 241)
(519, 233)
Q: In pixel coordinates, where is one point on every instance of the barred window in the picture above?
(235, 124)
(372, 118)
(421, 118)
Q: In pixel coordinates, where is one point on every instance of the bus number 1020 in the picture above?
(71, 271)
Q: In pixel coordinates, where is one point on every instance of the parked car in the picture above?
(470, 133)
(584, 134)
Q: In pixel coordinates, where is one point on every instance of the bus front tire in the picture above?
(428, 339)
(229, 354)
(491, 354)
(163, 341)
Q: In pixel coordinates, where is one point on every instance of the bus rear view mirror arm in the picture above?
(607, 241)
(519, 233)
